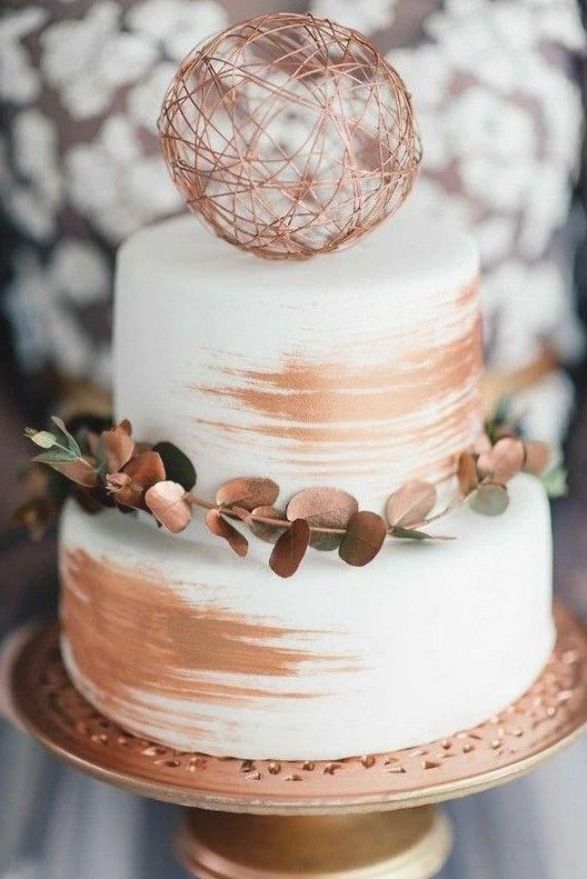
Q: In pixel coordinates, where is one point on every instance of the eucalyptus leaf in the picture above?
(42, 438)
(364, 538)
(178, 467)
(490, 499)
(411, 534)
(55, 455)
(555, 481)
(69, 439)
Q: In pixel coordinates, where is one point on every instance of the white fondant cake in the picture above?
(357, 370)
(186, 644)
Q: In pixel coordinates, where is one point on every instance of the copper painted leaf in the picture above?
(115, 482)
(93, 500)
(115, 448)
(290, 549)
(144, 470)
(539, 456)
(325, 508)
(467, 473)
(416, 534)
(79, 470)
(265, 532)
(503, 461)
(490, 499)
(410, 504)
(366, 532)
(167, 501)
(219, 526)
(247, 492)
(178, 466)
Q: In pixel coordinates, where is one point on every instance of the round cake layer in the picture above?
(357, 370)
(181, 642)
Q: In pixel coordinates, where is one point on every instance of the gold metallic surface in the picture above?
(406, 844)
(548, 716)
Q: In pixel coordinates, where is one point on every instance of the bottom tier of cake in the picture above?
(181, 642)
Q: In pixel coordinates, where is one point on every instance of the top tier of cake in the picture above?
(357, 370)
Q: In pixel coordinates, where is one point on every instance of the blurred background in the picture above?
(499, 89)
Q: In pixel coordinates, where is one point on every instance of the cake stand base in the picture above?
(406, 844)
(356, 818)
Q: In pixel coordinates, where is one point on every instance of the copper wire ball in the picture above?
(289, 135)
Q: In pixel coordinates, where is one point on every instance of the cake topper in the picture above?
(289, 135)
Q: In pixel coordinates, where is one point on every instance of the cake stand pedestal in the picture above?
(357, 818)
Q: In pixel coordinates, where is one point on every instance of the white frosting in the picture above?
(335, 371)
(428, 639)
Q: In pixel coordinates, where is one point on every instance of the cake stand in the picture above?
(369, 816)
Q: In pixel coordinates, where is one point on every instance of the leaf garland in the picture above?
(109, 469)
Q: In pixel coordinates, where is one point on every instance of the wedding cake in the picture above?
(338, 381)
(358, 369)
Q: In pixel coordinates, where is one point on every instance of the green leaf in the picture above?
(42, 438)
(55, 455)
(555, 481)
(69, 439)
(178, 467)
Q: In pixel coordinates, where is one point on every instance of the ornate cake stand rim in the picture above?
(26, 709)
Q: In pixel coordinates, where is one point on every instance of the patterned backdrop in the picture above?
(496, 89)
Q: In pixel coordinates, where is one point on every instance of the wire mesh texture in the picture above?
(289, 135)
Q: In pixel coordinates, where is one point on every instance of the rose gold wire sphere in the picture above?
(289, 135)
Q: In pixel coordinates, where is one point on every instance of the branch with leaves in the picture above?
(107, 468)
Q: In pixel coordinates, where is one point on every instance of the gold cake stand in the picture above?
(357, 818)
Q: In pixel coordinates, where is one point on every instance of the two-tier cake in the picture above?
(357, 370)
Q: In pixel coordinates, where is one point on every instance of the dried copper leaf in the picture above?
(93, 500)
(247, 492)
(144, 470)
(168, 502)
(80, 471)
(267, 533)
(326, 508)
(503, 461)
(490, 499)
(290, 549)
(410, 504)
(467, 473)
(539, 456)
(219, 526)
(417, 534)
(115, 447)
(366, 532)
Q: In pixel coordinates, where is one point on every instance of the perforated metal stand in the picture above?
(360, 817)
